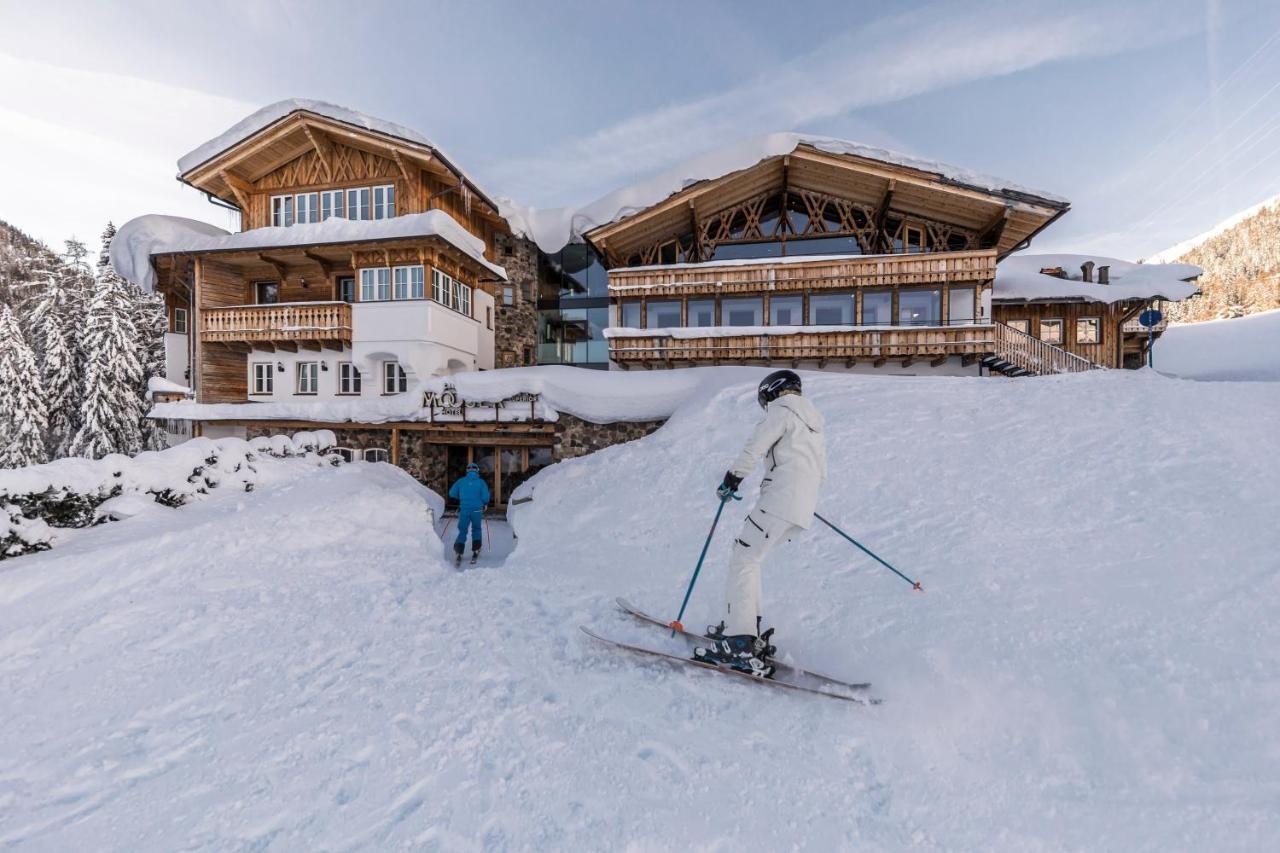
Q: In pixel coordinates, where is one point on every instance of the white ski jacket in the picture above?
(791, 442)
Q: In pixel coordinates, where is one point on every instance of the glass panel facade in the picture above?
(742, 312)
(877, 308)
(702, 312)
(831, 309)
(573, 335)
(786, 311)
(960, 304)
(630, 314)
(663, 315)
(920, 308)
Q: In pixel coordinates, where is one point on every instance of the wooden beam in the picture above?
(939, 361)
(908, 361)
(287, 346)
(242, 190)
(324, 151)
(968, 360)
(276, 264)
(404, 168)
(326, 265)
(395, 446)
(882, 213)
(991, 233)
(850, 362)
(879, 362)
(310, 346)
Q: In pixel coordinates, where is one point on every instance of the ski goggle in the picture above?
(471, 466)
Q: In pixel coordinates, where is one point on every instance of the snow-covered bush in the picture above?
(67, 493)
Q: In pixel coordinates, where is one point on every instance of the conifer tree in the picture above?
(22, 406)
(110, 410)
(62, 399)
(150, 321)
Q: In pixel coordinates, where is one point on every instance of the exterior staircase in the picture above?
(1019, 354)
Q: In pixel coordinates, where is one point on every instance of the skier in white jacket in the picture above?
(791, 443)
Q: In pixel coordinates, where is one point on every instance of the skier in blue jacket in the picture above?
(472, 494)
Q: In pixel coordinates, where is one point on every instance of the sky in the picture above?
(1156, 119)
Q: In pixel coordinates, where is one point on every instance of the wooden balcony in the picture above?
(875, 345)
(310, 325)
(798, 274)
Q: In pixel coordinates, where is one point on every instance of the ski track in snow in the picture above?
(1094, 663)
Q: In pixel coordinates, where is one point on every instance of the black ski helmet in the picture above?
(774, 384)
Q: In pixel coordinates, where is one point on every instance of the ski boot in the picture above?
(743, 652)
(475, 553)
(716, 632)
(457, 555)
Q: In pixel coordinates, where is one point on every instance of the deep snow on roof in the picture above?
(155, 234)
(1018, 278)
(552, 228)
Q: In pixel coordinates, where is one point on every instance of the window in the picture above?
(488, 317)
(455, 300)
(348, 378)
(877, 308)
(1023, 326)
(920, 307)
(786, 311)
(281, 210)
(179, 321)
(742, 312)
(630, 314)
(831, 309)
(308, 377)
(508, 295)
(376, 454)
(384, 201)
(266, 292)
(264, 378)
(394, 380)
(663, 315)
(702, 312)
(960, 305)
(346, 288)
(331, 205)
(465, 306)
(1051, 331)
(400, 278)
(346, 454)
(913, 238)
(358, 203)
(375, 284)
(1088, 330)
(439, 286)
(307, 208)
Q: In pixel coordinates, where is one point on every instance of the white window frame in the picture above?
(264, 378)
(333, 204)
(407, 281)
(306, 208)
(417, 282)
(383, 199)
(1026, 326)
(1097, 329)
(394, 379)
(465, 290)
(306, 377)
(281, 211)
(376, 454)
(355, 207)
(348, 379)
(438, 285)
(508, 295)
(375, 284)
(1049, 321)
(179, 321)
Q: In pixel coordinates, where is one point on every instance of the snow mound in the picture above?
(154, 234)
(1078, 674)
(1019, 278)
(1241, 349)
(552, 228)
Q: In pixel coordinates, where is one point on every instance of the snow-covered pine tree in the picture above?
(22, 406)
(110, 410)
(62, 392)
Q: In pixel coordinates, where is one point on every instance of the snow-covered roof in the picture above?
(552, 228)
(160, 385)
(273, 113)
(598, 396)
(141, 238)
(1019, 279)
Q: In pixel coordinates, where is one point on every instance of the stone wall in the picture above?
(576, 437)
(515, 327)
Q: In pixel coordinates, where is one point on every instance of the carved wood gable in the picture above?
(346, 165)
(427, 256)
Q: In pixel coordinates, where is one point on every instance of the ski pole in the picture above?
(914, 584)
(675, 624)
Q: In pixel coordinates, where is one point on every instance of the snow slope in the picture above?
(1094, 663)
(1180, 250)
(1243, 348)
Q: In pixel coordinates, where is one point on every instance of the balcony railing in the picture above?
(875, 344)
(286, 322)
(797, 274)
(1035, 356)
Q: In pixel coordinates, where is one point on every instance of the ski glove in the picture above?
(728, 486)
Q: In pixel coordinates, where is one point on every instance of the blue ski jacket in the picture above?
(471, 492)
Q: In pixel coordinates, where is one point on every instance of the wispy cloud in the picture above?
(885, 60)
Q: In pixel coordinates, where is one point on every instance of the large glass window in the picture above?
(920, 307)
(960, 304)
(307, 208)
(331, 204)
(831, 309)
(747, 311)
(630, 311)
(663, 315)
(702, 312)
(375, 284)
(786, 311)
(877, 308)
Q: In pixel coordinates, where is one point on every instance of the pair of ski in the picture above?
(457, 560)
(785, 676)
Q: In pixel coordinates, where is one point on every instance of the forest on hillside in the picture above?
(1241, 270)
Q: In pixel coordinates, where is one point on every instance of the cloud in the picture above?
(885, 60)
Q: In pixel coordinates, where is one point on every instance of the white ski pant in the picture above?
(760, 534)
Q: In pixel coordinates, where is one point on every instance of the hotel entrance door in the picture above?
(503, 468)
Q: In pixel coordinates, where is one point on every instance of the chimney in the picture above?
(1086, 271)
(1104, 274)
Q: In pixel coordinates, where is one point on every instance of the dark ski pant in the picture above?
(473, 519)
